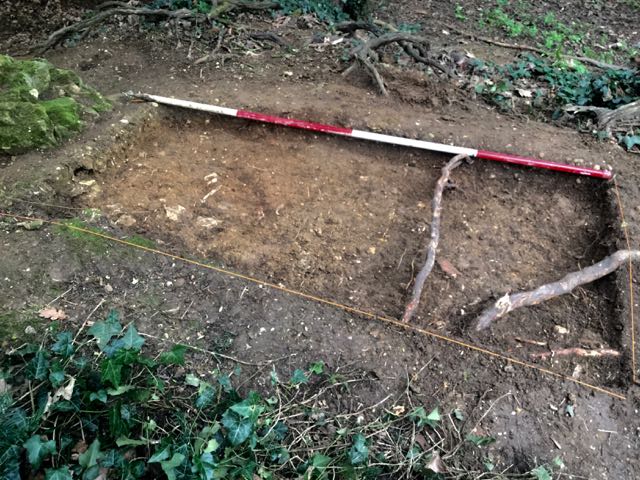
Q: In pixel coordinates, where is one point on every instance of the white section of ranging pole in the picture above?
(408, 142)
(204, 107)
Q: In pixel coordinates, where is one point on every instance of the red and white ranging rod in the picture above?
(377, 137)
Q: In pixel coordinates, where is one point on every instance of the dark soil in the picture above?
(308, 211)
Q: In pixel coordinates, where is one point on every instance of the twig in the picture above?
(57, 36)
(580, 352)
(508, 303)
(269, 37)
(213, 52)
(528, 48)
(434, 238)
(221, 355)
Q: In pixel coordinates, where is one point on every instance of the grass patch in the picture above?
(142, 241)
(97, 405)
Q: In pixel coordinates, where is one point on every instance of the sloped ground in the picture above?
(186, 303)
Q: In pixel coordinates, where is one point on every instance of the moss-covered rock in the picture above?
(41, 104)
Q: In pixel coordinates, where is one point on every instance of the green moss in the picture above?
(141, 241)
(13, 325)
(41, 105)
(84, 240)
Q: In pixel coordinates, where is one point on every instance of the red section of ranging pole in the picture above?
(289, 122)
(532, 162)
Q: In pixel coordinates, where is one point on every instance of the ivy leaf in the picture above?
(91, 456)
(480, 441)
(160, 455)
(299, 377)
(37, 450)
(359, 451)
(111, 372)
(58, 474)
(100, 395)
(38, 367)
(56, 374)
(131, 340)
(225, 383)
(105, 330)
(206, 394)
(169, 466)
(238, 429)
(320, 463)
(63, 345)
(419, 415)
(192, 380)
(248, 409)
(541, 473)
(317, 368)
(175, 356)
(129, 442)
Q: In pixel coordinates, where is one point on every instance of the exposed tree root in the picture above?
(416, 47)
(579, 352)
(622, 119)
(111, 8)
(434, 238)
(546, 292)
(528, 48)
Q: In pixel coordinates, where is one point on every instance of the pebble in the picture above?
(560, 330)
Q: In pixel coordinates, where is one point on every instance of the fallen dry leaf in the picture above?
(448, 268)
(436, 464)
(53, 314)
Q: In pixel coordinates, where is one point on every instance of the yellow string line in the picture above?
(631, 306)
(332, 303)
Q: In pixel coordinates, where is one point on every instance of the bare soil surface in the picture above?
(341, 219)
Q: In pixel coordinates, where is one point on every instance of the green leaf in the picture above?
(104, 331)
(630, 141)
(58, 474)
(320, 463)
(111, 372)
(38, 367)
(540, 473)
(114, 392)
(238, 428)
(129, 442)
(63, 345)
(359, 451)
(117, 425)
(192, 380)
(160, 455)
(317, 368)
(248, 409)
(206, 395)
(299, 377)
(56, 374)
(175, 356)
(480, 441)
(91, 456)
(100, 395)
(225, 383)
(131, 340)
(557, 461)
(419, 415)
(274, 376)
(169, 466)
(459, 414)
(37, 450)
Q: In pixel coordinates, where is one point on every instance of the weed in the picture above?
(94, 405)
(459, 13)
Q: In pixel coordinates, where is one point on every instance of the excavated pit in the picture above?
(348, 221)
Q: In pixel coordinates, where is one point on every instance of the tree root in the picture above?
(622, 119)
(434, 238)
(540, 51)
(579, 352)
(416, 47)
(546, 292)
(111, 8)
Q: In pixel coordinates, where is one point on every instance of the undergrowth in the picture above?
(93, 405)
(549, 86)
